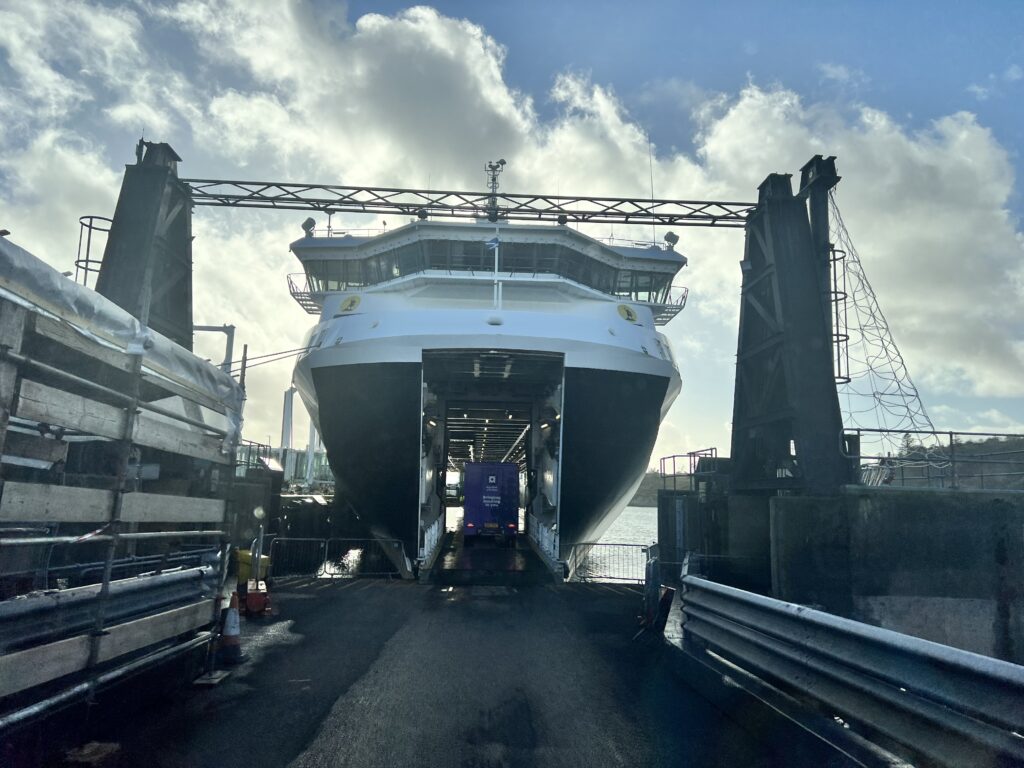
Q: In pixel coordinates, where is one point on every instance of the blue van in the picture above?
(491, 500)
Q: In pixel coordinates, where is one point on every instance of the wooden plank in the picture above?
(34, 666)
(157, 432)
(69, 317)
(133, 635)
(39, 503)
(35, 447)
(12, 329)
(160, 508)
(67, 336)
(188, 394)
(39, 402)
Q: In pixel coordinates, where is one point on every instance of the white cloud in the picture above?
(141, 117)
(50, 183)
(282, 92)
(842, 75)
(980, 92)
(992, 86)
(991, 420)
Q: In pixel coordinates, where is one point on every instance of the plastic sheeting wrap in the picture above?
(27, 281)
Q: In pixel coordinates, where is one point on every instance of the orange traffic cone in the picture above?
(230, 651)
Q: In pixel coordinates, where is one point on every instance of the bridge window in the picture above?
(468, 255)
(522, 258)
(335, 275)
(438, 254)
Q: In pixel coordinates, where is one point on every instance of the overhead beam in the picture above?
(564, 209)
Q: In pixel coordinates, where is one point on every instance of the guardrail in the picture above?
(950, 707)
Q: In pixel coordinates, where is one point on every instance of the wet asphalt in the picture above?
(379, 673)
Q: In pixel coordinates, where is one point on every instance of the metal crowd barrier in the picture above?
(949, 706)
(333, 558)
(593, 561)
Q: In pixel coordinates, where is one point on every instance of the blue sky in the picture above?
(920, 101)
(916, 60)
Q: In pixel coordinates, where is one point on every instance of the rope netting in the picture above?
(880, 393)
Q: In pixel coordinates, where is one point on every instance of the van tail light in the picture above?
(511, 525)
(470, 525)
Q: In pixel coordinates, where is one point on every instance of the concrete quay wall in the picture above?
(941, 565)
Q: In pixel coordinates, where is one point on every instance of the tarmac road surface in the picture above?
(377, 673)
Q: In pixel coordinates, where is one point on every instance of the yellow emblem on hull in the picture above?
(349, 304)
(628, 313)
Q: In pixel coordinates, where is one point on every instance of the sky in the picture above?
(919, 101)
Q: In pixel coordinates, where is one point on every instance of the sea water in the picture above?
(636, 525)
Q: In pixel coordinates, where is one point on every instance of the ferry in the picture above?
(442, 343)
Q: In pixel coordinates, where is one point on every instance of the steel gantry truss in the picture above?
(562, 209)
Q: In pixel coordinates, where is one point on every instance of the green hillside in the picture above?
(647, 494)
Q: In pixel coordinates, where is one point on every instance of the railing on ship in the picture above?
(310, 296)
(935, 459)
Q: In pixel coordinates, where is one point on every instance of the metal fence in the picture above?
(933, 459)
(595, 561)
(334, 558)
(951, 707)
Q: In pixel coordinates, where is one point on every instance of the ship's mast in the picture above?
(493, 170)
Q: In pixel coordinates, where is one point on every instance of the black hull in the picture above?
(370, 425)
(611, 424)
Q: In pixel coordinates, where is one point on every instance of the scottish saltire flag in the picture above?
(492, 243)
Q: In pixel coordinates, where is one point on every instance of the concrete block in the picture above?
(810, 548)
